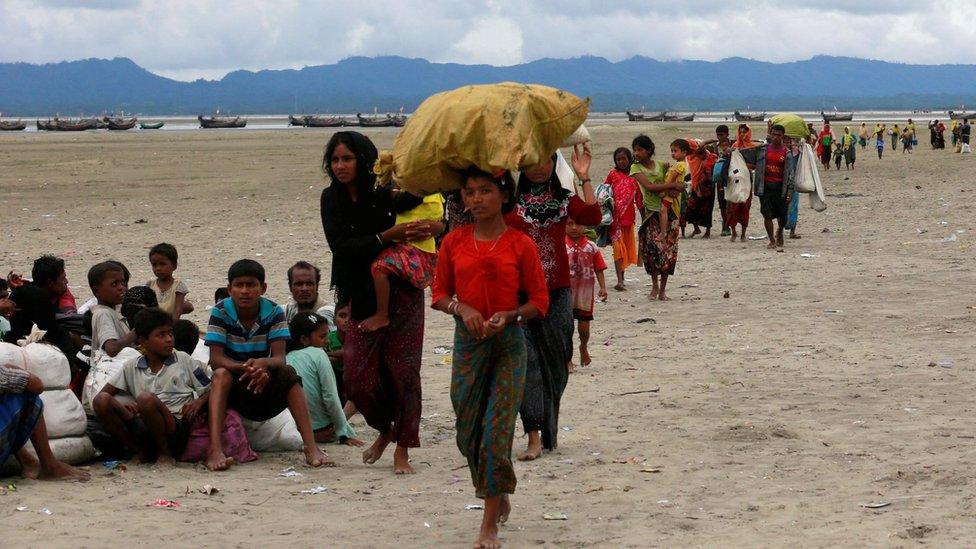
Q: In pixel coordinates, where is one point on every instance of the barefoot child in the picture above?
(247, 336)
(625, 197)
(170, 292)
(310, 335)
(586, 263)
(481, 271)
(411, 261)
(169, 389)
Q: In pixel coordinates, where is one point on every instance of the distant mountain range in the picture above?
(94, 86)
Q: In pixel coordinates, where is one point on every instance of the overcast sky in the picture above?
(187, 39)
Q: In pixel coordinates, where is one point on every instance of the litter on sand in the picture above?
(208, 489)
(951, 238)
(290, 472)
(45, 511)
(650, 470)
(876, 505)
(442, 350)
(316, 490)
(645, 319)
(555, 516)
(473, 506)
(21, 508)
(757, 238)
(165, 504)
(808, 256)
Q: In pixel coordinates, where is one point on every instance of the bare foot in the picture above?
(695, 233)
(779, 241)
(63, 471)
(401, 461)
(353, 442)
(375, 452)
(795, 236)
(217, 461)
(771, 245)
(325, 435)
(166, 461)
(532, 452)
(734, 236)
(662, 297)
(620, 287)
(743, 238)
(137, 459)
(315, 457)
(708, 234)
(571, 367)
(653, 295)
(504, 509)
(584, 356)
(373, 323)
(29, 466)
(488, 537)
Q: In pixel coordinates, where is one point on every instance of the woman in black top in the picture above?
(381, 369)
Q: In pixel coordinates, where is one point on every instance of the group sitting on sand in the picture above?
(516, 271)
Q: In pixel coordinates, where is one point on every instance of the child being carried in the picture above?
(411, 261)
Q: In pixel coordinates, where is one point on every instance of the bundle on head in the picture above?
(494, 127)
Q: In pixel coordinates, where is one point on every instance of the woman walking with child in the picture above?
(542, 207)
(381, 368)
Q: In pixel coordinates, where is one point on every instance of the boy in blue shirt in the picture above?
(247, 334)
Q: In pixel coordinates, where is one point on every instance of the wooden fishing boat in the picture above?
(644, 117)
(221, 122)
(325, 122)
(749, 116)
(297, 120)
(100, 124)
(388, 121)
(953, 115)
(837, 116)
(120, 123)
(151, 125)
(13, 126)
(675, 117)
(46, 126)
(76, 125)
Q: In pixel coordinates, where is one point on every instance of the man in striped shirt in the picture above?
(247, 335)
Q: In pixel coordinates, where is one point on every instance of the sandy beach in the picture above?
(822, 384)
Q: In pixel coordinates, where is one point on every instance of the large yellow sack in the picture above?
(494, 127)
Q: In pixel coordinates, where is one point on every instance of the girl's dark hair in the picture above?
(366, 154)
(504, 182)
(136, 300)
(303, 325)
(166, 250)
(625, 151)
(682, 144)
(643, 142)
(555, 187)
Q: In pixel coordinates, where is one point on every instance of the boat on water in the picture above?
(749, 116)
(221, 122)
(641, 116)
(388, 121)
(46, 126)
(76, 125)
(151, 125)
(120, 123)
(953, 115)
(12, 126)
(326, 122)
(837, 116)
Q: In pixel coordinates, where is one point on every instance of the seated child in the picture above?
(109, 331)
(310, 334)
(247, 334)
(586, 266)
(411, 261)
(170, 292)
(21, 419)
(169, 388)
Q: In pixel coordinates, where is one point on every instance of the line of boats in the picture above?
(119, 123)
(666, 116)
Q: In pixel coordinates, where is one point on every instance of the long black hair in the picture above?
(365, 153)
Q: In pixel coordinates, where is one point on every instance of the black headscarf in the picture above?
(136, 299)
(366, 155)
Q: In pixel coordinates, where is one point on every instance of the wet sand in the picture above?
(819, 385)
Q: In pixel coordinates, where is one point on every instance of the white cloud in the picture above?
(194, 38)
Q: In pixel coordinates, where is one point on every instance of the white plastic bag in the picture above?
(278, 434)
(41, 359)
(63, 414)
(965, 148)
(100, 374)
(738, 186)
(807, 177)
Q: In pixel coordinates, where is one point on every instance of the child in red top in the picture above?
(586, 265)
(481, 270)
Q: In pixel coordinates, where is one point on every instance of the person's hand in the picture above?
(420, 230)
(353, 442)
(789, 197)
(192, 408)
(14, 280)
(498, 321)
(401, 232)
(256, 375)
(602, 294)
(34, 385)
(132, 408)
(582, 159)
(473, 321)
(7, 308)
